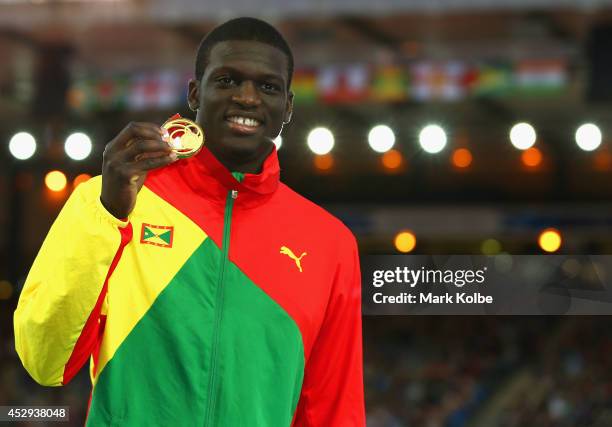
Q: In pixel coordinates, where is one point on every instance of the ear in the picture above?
(288, 108)
(193, 94)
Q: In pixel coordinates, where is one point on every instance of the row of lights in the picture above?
(381, 139)
(549, 240)
(320, 140)
(78, 146)
(56, 181)
(433, 138)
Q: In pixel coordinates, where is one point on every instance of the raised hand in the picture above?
(139, 148)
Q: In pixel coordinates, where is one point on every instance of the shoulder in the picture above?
(86, 192)
(313, 216)
(92, 184)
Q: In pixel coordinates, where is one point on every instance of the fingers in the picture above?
(138, 148)
(145, 148)
(149, 156)
(149, 163)
(141, 130)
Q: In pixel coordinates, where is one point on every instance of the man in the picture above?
(205, 292)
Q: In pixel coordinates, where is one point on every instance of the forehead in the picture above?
(248, 57)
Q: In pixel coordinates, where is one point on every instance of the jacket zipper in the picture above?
(227, 222)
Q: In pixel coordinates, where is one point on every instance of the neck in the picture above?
(252, 164)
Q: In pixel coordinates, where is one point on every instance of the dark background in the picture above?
(474, 67)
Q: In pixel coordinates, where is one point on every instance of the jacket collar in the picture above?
(207, 176)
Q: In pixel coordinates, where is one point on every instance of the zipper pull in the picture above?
(234, 194)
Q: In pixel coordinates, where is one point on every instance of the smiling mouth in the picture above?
(243, 125)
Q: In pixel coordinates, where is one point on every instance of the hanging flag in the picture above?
(111, 93)
(159, 90)
(105, 88)
(169, 90)
(142, 90)
(78, 95)
(347, 84)
(304, 86)
(438, 81)
(540, 76)
(494, 79)
(328, 80)
(389, 84)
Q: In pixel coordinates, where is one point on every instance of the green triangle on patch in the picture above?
(166, 237)
(148, 233)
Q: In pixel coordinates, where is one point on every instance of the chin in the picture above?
(244, 147)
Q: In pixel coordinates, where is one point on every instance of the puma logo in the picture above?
(285, 250)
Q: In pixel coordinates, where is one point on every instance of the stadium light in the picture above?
(78, 146)
(490, 247)
(405, 241)
(320, 140)
(381, 138)
(84, 177)
(462, 158)
(278, 141)
(392, 160)
(22, 146)
(531, 157)
(324, 162)
(523, 136)
(55, 181)
(588, 137)
(550, 240)
(432, 139)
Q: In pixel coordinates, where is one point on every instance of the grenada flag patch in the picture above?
(158, 235)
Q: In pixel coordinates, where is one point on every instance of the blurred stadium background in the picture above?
(429, 127)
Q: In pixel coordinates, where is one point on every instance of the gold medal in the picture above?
(186, 136)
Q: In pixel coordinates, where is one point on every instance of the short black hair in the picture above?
(245, 28)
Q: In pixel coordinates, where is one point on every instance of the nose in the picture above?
(247, 95)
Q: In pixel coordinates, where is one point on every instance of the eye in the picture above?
(226, 81)
(270, 87)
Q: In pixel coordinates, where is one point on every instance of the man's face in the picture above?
(242, 99)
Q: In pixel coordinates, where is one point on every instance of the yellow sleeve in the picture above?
(58, 303)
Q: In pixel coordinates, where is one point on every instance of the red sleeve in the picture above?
(332, 391)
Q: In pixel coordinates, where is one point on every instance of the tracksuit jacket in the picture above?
(223, 300)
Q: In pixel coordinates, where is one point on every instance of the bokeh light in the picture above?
(381, 138)
(324, 162)
(588, 137)
(523, 136)
(79, 179)
(490, 247)
(405, 241)
(392, 160)
(462, 158)
(433, 139)
(550, 240)
(320, 140)
(531, 157)
(55, 181)
(22, 146)
(78, 146)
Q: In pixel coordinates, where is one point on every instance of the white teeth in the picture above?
(243, 121)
